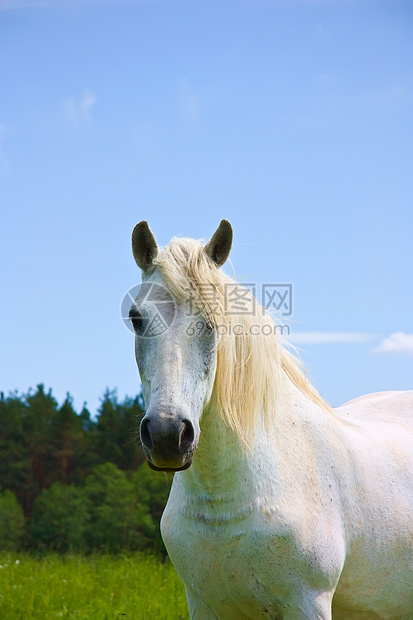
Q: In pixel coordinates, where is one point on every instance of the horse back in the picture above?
(396, 406)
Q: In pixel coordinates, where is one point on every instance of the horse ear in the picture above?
(144, 246)
(219, 246)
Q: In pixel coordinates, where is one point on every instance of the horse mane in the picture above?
(250, 368)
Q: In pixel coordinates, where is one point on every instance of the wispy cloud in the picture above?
(329, 337)
(4, 164)
(79, 111)
(397, 343)
(7, 5)
(189, 102)
(20, 4)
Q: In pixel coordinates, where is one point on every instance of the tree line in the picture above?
(72, 482)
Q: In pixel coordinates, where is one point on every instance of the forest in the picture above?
(73, 482)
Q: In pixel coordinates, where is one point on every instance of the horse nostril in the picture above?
(186, 436)
(146, 437)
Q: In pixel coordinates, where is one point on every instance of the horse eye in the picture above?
(136, 319)
(137, 322)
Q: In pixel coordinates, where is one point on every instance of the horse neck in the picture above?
(220, 486)
(228, 475)
(224, 469)
(220, 456)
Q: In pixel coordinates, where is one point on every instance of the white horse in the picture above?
(281, 507)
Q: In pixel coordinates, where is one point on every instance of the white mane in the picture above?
(251, 367)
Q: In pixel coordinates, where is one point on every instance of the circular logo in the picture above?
(148, 309)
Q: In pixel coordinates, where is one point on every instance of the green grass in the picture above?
(99, 587)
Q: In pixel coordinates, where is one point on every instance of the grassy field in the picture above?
(99, 587)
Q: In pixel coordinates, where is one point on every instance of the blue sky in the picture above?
(291, 119)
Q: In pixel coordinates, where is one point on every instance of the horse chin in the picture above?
(170, 469)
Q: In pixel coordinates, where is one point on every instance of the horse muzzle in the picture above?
(168, 441)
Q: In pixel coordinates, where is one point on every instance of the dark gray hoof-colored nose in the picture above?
(167, 440)
(146, 437)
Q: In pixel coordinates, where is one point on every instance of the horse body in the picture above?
(244, 538)
(308, 515)
(378, 571)
(278, 536)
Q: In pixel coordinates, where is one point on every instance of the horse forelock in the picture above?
(252, 364)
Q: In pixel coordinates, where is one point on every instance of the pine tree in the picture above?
(38, 427)
(14, 458)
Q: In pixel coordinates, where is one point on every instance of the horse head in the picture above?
(175, 346)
